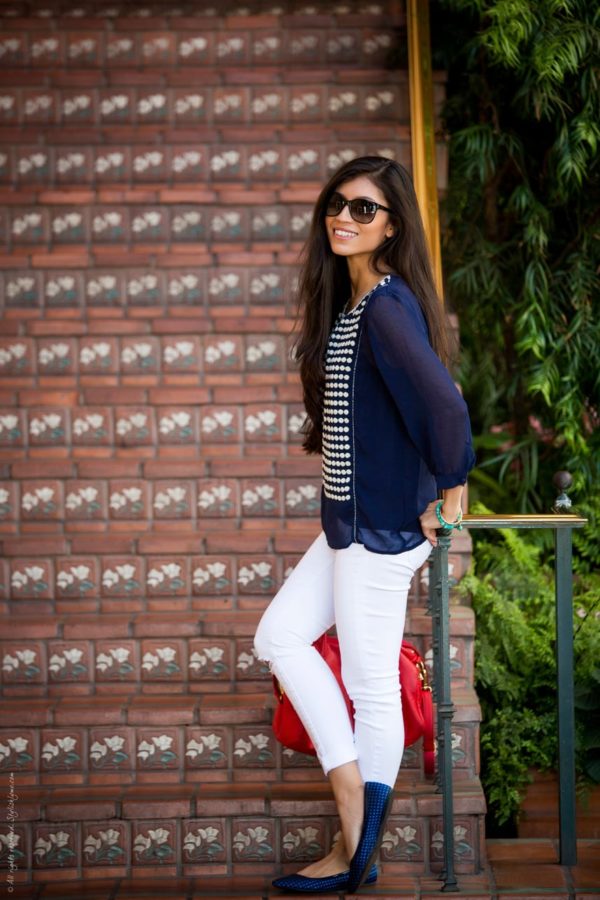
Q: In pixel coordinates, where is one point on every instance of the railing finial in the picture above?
(561, 481)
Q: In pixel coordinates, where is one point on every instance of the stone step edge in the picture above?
(61, 803)
(146, 710)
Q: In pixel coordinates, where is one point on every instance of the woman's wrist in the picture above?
(444, 518)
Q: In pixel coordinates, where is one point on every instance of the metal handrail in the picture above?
(439, 607)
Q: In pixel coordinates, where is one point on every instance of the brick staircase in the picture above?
(158, 168)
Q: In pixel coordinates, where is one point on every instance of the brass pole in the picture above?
(422, 128)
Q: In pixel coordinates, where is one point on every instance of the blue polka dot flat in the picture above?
(303, 885)
(378, 802)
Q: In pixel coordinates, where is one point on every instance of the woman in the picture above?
(394, 433)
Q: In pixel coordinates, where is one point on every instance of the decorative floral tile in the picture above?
(376, 47)
(152, 106)
(303, 839)
(302, 498)
(144, 288)
(154, 843)
(128, 499)
(122, 576)
(68, 226)
(211, 575)
(56, 357)
(226, 285)
(77, 107)
(31, 579)
(157, 748)
(22, 662)
(140, 355)
(98, 356)
(33, 165)
(177, 426)
(47, 49)
(253, 748)
(187, 225)
(162, 660)
(181, 354)
(149, 164)
(184, 288)
(464, 841)
(47, 426)
(23, 289)
(105, 843)
(111, 748)
(266, 48)
(193, 49)
(55, 846)
(9, 503)
(296, 417)
(63, 289)
(204, 841)
(92, 426)
(266, 163)
(103, 288)
(307, 104)
(12, 49)
(403, 840)
(73, 165)
(218, 424)
(110, 225)
(112, 165)
(119, 49)
(189, 105)
(229, 163)
(264, 353)
(291, 759)
(77, 577)
(253, 839)
(85, 500)
(17, 750)
(41, 500)
(29, 226)
(12, 427)
(158, 48)
(149, 225)
(381, 104)
(209, 660)
(218, 498)
(206, 748)
(62, 750)
(223, 353)
(173, 499)
(262, 423)
(304, 46)
(115, 660)
(304, 162)
(68, 662)
(9, 105)
(342, 46)
(228, 225)
(247, 665)
(337, 155)
(269, 224)
(167, 577)
(188, 163)
(343, 103)
(134, 426)
(83, 49)
(14, 852)
(233, 48)
(267, 286)
(256, 575)
(261, 497)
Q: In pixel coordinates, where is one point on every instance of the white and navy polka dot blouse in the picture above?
(396, 430)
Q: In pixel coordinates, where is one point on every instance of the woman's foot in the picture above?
(336, 861)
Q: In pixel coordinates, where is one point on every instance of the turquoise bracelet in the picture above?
(449, 525)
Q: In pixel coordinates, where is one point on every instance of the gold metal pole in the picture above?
(422, 128)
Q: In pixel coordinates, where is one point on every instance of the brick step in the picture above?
(172, 651)
(171, 738)
(227, 829)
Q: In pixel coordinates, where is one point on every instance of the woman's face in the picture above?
(352, 239)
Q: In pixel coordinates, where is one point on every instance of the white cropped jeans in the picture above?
(364, 594)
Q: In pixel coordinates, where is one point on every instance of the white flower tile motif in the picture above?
(402, 842)
(266, 47)
(295, 423)
(45, 48)
(102, 289)
(343, 103)
(71, 164)
(104, 846)
(376, 43)
(14, 357)
(192, 48)
(144, 288)
(268, 225)
(463, 849)
(91, 427)
(262, 424)
(75, 580)
(267, 105)
(379, 102)
(207, 661)
(156, 750)
(62, 752)
(77, 107)
(172, 501)
(83, 50)
(114, 662)
(166, 577)
(181, 354)
(10, 47)
(109, 225)
(21, 290)
(263, 354)
(306, 45)
(216, 499)
(186, 163)
(30, 579)
(219, 425)
(153, 845)
(28, 226)
(205, 749)
(152, 107)
(161, 661)
(210, 576)
(187, 225)
(109, 752)
(67, 663)
(260, 499)
(252, 842)
(177, 427)
(84, 501)
(110, 165)
(33, 166)
(247, 666)
(21, 664)
(222, 353)
(16, 753)
(122, 579)
(204, 843)
(226, 287)
(97, 356)
(232, 49)
(55, 356)
(189, 106)
(140, 355)
(118, 48)
(127, 501)
(62, 290)
(265, 163)
(302, 499)
(226, 225)
(55, 848)
(39, 502)
(133, 427)
(149, 163)
(226, 164)
(303, 163)
(7, 498)
(255, 576)
(253, 749)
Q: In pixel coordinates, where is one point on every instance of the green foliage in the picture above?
(512, 592)
(521, 247)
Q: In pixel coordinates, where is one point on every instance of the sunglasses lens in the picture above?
(335, 204)
(363, 211)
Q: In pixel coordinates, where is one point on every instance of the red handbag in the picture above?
(417, 703)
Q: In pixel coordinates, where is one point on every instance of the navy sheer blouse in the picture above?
(395, 427)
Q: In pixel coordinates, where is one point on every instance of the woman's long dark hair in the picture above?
(324, 283)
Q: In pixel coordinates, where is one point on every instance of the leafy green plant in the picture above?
(512, 592)
(520, 236)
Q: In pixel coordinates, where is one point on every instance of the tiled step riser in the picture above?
(178, 754)
(213, 844)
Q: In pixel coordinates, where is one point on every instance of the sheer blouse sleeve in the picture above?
(432, 409)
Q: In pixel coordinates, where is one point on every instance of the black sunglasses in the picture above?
(361, 209)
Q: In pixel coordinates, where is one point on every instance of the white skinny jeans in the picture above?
(364, 594)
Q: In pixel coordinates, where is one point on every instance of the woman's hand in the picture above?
(429, 523)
